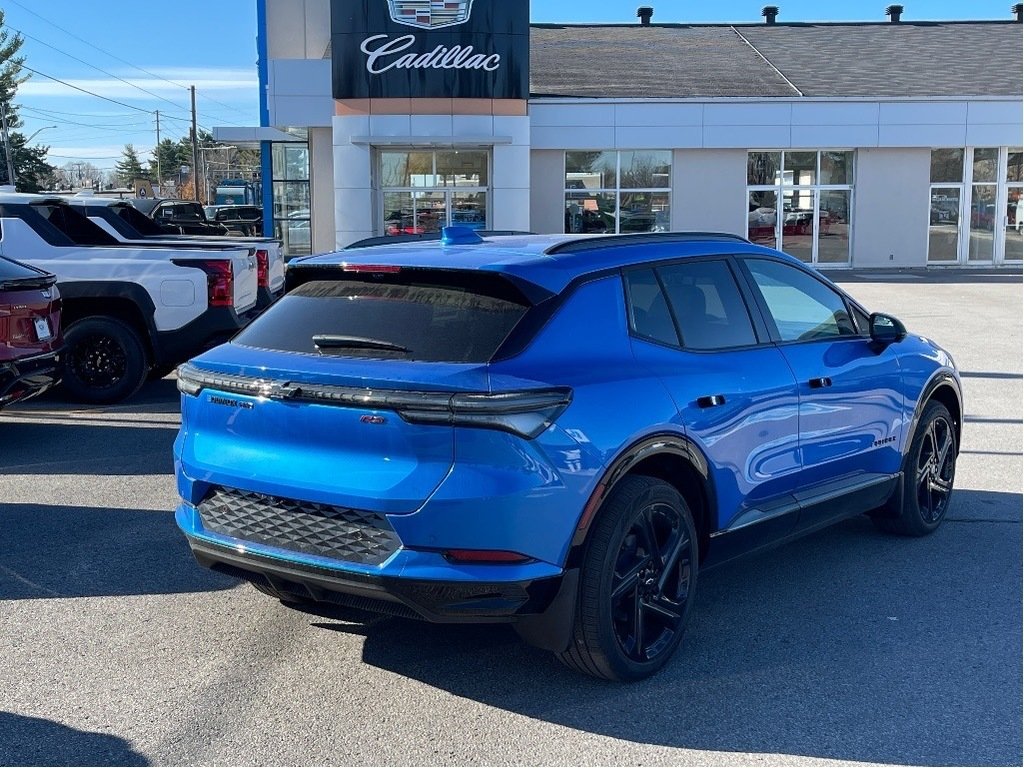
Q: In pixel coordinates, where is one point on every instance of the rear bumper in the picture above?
(28, 377)
(490, 594)
(213, 327)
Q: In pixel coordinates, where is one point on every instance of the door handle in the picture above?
(820, 383)
(710, 401)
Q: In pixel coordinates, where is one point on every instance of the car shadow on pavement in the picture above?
(85, 447)
(36, 741)
(850, 645)
(160, 396)
(49, 551)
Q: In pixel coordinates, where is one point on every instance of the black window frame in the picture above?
(769, 319)
(762, 332)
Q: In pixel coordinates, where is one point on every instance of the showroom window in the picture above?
(614, 192)
(802, 203)
(424, 190)
(975, 205)
(290, 165)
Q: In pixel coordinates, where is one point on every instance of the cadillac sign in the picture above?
(430, 48)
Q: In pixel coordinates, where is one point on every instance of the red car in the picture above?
(30, 333)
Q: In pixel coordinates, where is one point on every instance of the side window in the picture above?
(649, 315)
(708, 305)
(802, 307)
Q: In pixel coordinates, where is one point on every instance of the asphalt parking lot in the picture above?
(847, 646)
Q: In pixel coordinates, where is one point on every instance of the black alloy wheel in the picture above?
(98, 361)
(638, 582)
(651, 582)
(936, 462)
(106, 361)
(929, 470)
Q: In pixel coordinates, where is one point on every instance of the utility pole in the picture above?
(195, 148)
(7, 144)
(159, 176)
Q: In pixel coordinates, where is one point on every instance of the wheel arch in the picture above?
(127, 302)
(943, 388)
(669, 457)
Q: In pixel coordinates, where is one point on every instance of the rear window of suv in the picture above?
(351, 318)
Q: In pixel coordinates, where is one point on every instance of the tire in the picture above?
(105, 362)
(623, 586)
(928, 476)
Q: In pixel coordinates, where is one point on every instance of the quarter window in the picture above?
(802, 307)
(648, 310)
(610, 192)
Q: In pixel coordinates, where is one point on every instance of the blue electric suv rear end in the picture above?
(555, 432)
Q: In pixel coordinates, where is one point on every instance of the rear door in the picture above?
(735, 393)
(851, 404)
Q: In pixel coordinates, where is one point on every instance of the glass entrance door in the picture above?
(944, 225)
(423, 191)
(1013, 230)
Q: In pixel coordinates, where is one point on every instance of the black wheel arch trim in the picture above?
(941, 379)
(112, 289)
(665, 443)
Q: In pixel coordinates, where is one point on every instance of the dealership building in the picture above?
(894, 143)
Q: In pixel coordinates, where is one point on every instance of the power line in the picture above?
(83, 90)
(98, 96)
(96, 47)
(77, 114)
(98, 69)
(123, 61)
(100, 126)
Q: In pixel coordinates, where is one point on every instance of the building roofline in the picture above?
(762, 25)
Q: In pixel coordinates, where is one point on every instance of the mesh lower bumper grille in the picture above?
(352, 535)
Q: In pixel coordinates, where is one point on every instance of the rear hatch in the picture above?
(29, 311)
(343, 392)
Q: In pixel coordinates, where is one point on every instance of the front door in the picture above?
(851, 405)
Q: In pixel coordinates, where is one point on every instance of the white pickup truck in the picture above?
(129, 310)
(125, 223)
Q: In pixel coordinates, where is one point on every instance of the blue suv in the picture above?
(555, 432)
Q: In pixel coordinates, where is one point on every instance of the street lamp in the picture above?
(45, 127)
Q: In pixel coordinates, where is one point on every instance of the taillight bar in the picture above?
(220, 279)
(263, 268)
(527, 413)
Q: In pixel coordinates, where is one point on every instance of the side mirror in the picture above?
(886, 329)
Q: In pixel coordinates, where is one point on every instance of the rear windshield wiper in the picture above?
(332, 341)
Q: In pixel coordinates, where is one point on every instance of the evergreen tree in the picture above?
(32, 171)
(129, 167)
(172, 157)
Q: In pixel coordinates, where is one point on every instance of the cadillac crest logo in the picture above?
(430, 14)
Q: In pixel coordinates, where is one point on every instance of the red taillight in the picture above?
(263, 269)
(220, 280)
(380, 269)
(484, 556)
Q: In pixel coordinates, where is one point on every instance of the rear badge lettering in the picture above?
(230, 403)
(369, 419)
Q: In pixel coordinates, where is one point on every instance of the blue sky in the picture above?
(162, 46)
